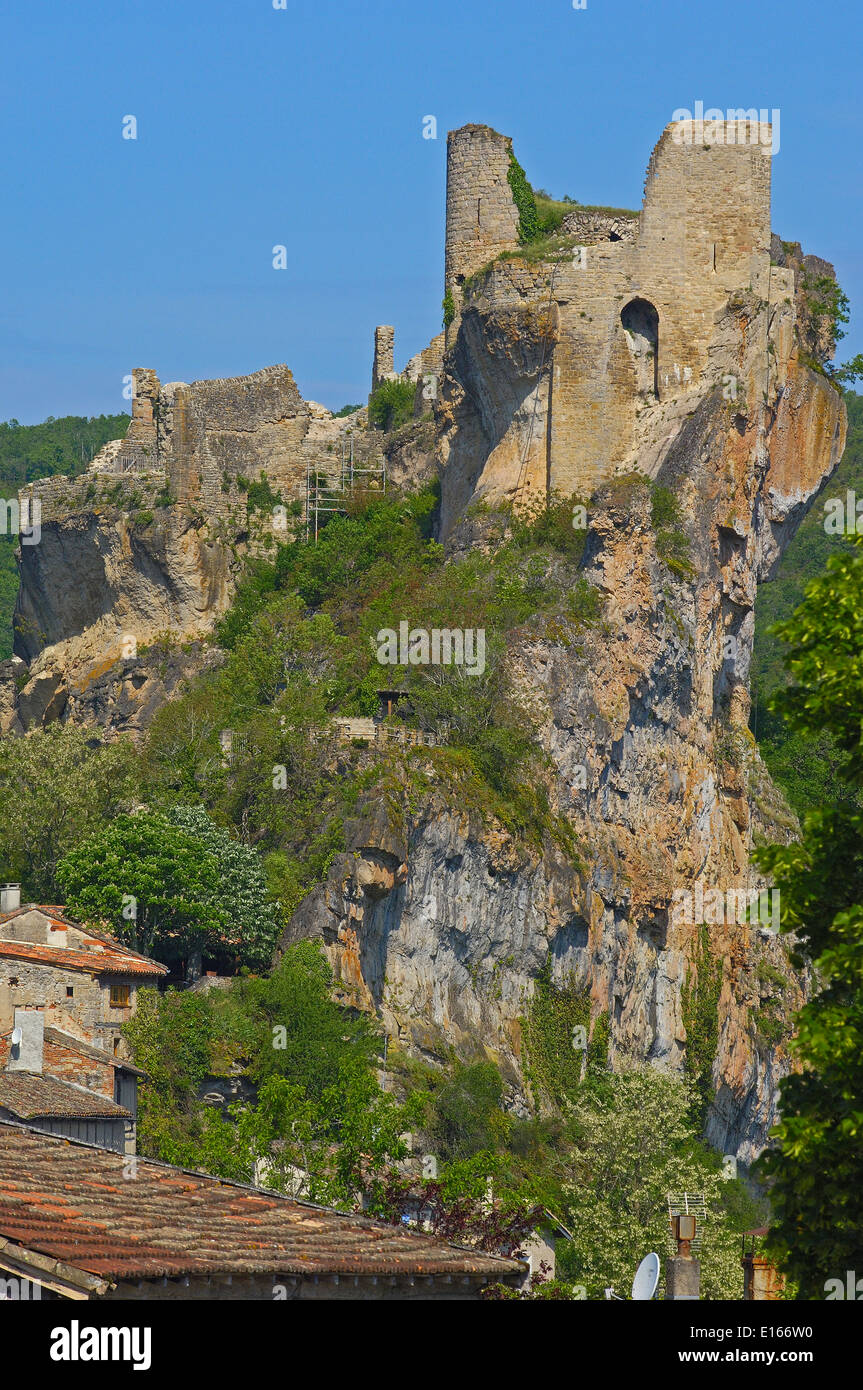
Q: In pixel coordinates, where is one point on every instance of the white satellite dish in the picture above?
(17, 1036)
(646, 1278)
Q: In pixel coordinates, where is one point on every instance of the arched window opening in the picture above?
(641, 325)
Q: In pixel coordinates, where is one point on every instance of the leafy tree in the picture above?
(287, 1025)
(171, 1038)
(319, 1127)
(149, 883)
(632, 1145)
(468, 1112)
(459, 1210)
(242, 889)
(174, 884)
(804, 764)
(57, 786)
(816, 1164)
(327, 1149)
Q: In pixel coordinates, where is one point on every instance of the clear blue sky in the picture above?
(303, 127)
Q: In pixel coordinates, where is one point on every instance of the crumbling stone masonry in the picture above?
(606, 341)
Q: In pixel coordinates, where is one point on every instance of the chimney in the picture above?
(26, 1053)
(683, 1271)
(10, 897)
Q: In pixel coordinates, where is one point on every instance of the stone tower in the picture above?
(383, 368)
(638, 307)
(481, 215)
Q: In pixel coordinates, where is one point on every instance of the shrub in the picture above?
(392, 404)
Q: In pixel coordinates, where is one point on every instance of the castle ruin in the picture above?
(625, 312)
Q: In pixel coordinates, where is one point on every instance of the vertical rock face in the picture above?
(443, 926)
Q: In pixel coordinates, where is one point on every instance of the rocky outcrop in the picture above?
(696, 427)
(118, 696)
(154, 535)
(130, 582)
(442, 924)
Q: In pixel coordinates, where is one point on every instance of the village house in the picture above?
(65, 992)
(132, 1228)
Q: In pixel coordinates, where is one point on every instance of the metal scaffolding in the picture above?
(322, 496)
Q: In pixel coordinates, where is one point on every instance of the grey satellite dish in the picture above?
(17, 1037)
(646, 1279)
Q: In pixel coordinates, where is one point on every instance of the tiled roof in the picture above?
(105, 962)
(31, 1096)
(109, 956)
(98, 1054)
(72, 1202)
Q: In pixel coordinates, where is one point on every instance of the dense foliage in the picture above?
(816, 1166)
(525, 202)
(805, 762)
(391, 404)
(56, 786)
(173, 884)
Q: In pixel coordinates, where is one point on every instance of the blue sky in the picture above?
(303, 127)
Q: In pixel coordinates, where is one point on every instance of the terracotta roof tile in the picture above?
(119, 962)
(109, 956)
(167, 1221)
(29, 1096)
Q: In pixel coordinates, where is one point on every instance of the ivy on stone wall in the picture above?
(700, 1001)
(528, 218)
(553, 1033)
(448, 309)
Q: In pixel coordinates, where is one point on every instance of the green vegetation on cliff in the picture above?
(391, 404)
(804, 762)
(29, 452)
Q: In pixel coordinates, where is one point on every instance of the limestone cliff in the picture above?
(146, 546)
(669, 379)
(554, 377)
(442, 924)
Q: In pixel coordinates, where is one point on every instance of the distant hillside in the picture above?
(27, 452)
(802, 766)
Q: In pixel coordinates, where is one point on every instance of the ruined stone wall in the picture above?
(212, 431)
(382, 367)
(636, 306)
(140, 446)
(704, 233)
